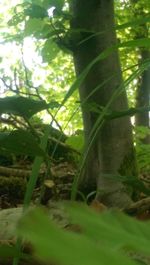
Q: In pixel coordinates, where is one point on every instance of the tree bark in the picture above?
(112, 150)
(143, 88)
(143, 97)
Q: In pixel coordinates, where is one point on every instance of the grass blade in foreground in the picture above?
(52, 244)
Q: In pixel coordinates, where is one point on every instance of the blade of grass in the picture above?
(31, 185)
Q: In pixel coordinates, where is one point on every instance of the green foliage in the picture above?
(143, 157)
(36, 11)
(36, 168)
(134, 11)
(117, 114)
(132, 44)
(8, 252)
(142, 150)
(101, 236)
(16, 19)
(106, 238)
(141, 132)
(76, 141)
(25, 107)
(33, 26)
(49, 51)
(19, 142)
(49, 3)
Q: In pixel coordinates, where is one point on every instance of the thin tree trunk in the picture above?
(112, 150)
(143, 97)
(143, 86)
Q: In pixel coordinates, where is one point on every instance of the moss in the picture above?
(129, 165)
(12, 187)
(129, 170)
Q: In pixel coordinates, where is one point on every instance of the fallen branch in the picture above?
(138, 207)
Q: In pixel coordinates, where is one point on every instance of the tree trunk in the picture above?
(143, 89)
(112, 150)
(143, 97)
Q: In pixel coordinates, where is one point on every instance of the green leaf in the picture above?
(76, 141)
(141, 131)
(54, 3)
(49, 3)
(36, 169)
(130, 24)
(21, 106)
(129, 112)
(133, 23)
(47, 31)
(33, 26)
(49, 51)
(36, 11)
(55, 245)
(19, 142)
(16, 19)
(37, 2)
(144, 42)
(53, 104)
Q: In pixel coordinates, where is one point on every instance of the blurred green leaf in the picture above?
(53, 104)
(55, 245)
(36, 11)
(21, 106)
(76, 141)
(49, 3)
(33, 26)
(112, 229)
(129, 112)
(141, 132)
(54, 3)
(49, 51)
(142, 150)
(16, 19)
(133, 23)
